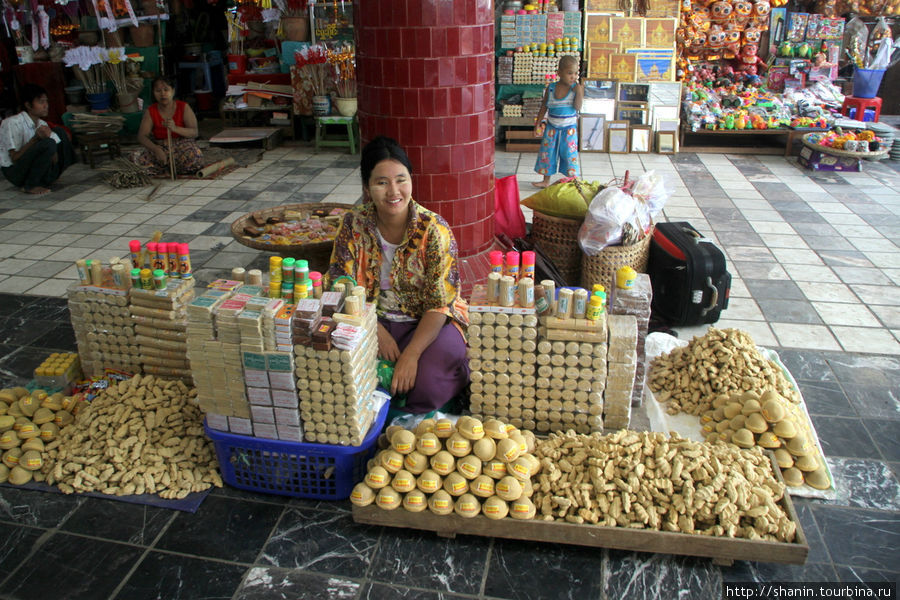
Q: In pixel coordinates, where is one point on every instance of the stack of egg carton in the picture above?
(503, 364)
(160, 325)
(103, 329)
(531, 107)
(512, 110)
(523, 64)
(622, 358)
(505, 70)
(335, 387)
(541, 67)
(636, 301)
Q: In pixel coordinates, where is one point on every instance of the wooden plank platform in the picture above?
(722, 550)
(269, 137)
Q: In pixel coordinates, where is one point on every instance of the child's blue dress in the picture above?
(559, 147)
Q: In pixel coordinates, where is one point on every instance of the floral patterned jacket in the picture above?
(424, 274)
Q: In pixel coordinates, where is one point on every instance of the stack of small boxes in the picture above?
(531, 29)
(274, 406)
(555, 25)
(503, 363)
(214, 349)
(531, 107)
(336, 386)
(505, 70)
(508, 33)
(571, 24)
(636, 301)
(160, 325)
(621, 371)
(103, 329)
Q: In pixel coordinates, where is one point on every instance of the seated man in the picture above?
(32, 155)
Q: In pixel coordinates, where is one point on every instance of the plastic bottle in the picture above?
(134, 246)
(512, 265)
(275, 272)
(541, 302)
(594, 309)
(162, 256)
(496, 262)
(316, 280)
(184, 261)
(151, 256)
(301, 291)
(146, 279)
(159, 279)
(301, 270)
(625, 277)
(136, 278)
(287, 270)
(173, 259)
(528, 260)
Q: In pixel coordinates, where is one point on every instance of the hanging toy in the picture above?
(720, 10)
(743, 9)
(752, 35)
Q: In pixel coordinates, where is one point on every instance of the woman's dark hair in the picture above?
(31, 92)
(169, 81)
(379, 149)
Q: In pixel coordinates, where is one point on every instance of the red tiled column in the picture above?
(426, 79)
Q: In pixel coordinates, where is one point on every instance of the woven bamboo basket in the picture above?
(601, 268)
(558, 238)
(318, 254)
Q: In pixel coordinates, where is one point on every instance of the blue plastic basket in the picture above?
(318, 471)
(866, 83)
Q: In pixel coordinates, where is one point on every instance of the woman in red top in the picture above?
(176, 117)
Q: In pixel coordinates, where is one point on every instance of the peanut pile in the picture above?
(689, 378)
(143, 435)
(647, 480)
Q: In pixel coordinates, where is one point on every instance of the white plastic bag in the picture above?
(612, 208)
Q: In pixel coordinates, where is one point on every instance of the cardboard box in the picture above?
(820, 161)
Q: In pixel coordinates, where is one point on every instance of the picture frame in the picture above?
(636, 113)
(617, 141)
(639, 139)
(666, 124)
(663, 113)
(617, 124)
(665, 92)
(627, 31)
(666, 142)
(597, 26)
(599, 61)
(622, 67)
(605, 107)
(602, 5)
(660, 32)
(633, 92)
(592, 135)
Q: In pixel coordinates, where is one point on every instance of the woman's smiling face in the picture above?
(390, 188)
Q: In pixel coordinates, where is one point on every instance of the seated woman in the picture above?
(406, 258)
(166, 116)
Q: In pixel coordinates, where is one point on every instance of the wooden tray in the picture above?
(318, 254)
(723, 550)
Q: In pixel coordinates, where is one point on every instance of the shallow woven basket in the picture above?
(601, 268)
(839, 152)
(318, 254)
(558, 238)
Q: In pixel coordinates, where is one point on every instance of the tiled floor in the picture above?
(816, 277)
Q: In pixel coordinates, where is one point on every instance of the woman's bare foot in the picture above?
(38, 191)
(540, 184)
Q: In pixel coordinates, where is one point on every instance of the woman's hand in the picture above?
(387, 345)
(160, 155)
(169, 124)
(404, 373)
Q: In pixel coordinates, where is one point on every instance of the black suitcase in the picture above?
(688, 275)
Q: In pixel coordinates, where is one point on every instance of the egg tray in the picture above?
(723, 550)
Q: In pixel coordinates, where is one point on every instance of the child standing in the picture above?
(561, 103)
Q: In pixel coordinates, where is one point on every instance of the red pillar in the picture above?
(426, 79)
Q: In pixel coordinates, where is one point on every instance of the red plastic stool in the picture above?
(861, 104)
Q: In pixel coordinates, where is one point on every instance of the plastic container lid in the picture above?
(496, 257)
